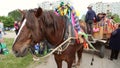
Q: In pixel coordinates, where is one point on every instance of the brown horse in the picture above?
(39, 25)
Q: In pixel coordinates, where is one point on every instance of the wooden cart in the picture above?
(98, 40)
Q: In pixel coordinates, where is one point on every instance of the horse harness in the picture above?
(69, 38)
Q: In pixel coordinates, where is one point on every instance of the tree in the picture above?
(116, 18)
(15, 14)
(12, 16)
(8, 21)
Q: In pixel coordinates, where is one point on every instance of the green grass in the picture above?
(10, 61)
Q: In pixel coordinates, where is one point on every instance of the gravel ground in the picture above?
(9, 34)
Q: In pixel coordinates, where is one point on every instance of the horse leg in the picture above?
(79, 55)
(70, 64)
(70, 60)
(58, 62)
(74, 62)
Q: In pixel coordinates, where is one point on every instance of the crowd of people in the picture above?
(114, 44)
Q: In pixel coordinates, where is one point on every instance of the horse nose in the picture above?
(16, 53)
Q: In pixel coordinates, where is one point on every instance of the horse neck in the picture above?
(54, 33)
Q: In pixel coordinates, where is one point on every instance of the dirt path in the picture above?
(85, 62)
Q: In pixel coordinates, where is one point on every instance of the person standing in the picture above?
(16, 26)
(1, 29)
(89, 19)
(115, 43)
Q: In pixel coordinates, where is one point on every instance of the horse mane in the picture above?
(52, 21)
(49, 19)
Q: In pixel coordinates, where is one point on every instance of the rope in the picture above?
(59, 47)
(66, 46)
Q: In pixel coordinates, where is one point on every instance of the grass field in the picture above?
(10, 61)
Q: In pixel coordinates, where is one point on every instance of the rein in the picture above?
(59, 46)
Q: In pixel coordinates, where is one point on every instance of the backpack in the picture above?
(3, 49)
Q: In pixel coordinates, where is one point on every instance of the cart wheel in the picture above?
(102, 50)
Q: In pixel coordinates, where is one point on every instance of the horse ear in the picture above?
(22, 12)
(38, 12)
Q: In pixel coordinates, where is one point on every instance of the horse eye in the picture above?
(21, 30)
(41, 29)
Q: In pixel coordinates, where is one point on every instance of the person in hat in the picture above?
(89, 19)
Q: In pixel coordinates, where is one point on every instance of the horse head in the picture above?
(29, 33)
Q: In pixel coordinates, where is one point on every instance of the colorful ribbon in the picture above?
(69, 11)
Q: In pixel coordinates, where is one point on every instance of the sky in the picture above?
(9, 5)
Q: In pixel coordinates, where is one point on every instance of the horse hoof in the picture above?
(78, 64)
(74, 65)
